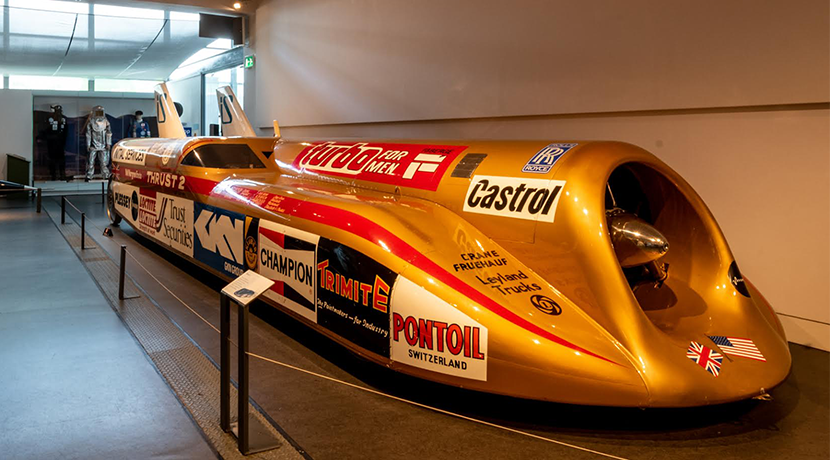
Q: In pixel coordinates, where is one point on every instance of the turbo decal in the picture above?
(428, 333)
(219, 239)
(353, 292)
(543, 160)
(288, 256)
(408, 165)
(519, 198)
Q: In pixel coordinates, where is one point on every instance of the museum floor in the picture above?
(78, 384)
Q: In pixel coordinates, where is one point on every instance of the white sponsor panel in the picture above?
(516, 197)
(176, 228)
(127, 155)
(431, 334)
(122, 195)
(166, 218)
(288, 256)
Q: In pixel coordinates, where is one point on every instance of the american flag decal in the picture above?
(705, 357)
(735, 346)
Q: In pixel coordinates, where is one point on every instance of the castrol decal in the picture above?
(407, 165)
(431, 334)
(516, 197)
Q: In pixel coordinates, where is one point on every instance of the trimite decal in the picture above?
(219, 239)
(543, 160)
(520, 198)
(407, 165)
(353, 294)
(166, 218)
(430, 334)
(288, 256)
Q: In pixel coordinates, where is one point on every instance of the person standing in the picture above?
(56, 143)
(139, 127)
(98, 142)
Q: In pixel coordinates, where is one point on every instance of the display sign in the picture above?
(247, 287)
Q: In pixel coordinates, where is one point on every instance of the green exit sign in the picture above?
(249, 62)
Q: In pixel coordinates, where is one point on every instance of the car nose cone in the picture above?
(635, 241)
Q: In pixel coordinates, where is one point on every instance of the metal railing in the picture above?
(64, 202)
(27, 188)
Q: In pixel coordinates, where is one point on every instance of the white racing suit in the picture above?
(98, 142)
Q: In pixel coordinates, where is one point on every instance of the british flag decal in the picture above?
(705, 357)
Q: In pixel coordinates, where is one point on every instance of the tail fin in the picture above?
(234, 121)
(168, 117)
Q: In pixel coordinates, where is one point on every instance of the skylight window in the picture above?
(179, 16)
(125, 86)
(127, 12)
(51, 5)
(221, 44)
(48, 83)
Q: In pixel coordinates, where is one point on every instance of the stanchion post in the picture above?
(242, 410)
(63, 210)
(121, 270)
(225, 363)
(39, 199)
(83, 230)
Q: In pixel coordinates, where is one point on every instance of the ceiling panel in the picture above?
(102, 46)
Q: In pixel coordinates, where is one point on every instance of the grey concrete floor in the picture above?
(74, 382)
(333, 421)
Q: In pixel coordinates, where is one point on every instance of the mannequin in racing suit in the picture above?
(139, 128)
(56, 143)
(98, 142)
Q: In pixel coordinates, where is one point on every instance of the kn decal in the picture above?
(543, 160)
(515, 197)
(705, 357)
(353, 295)
(430, 334)
(374, 233)
(219, 239)
(736, 346)
(408, 165)
(288, 256)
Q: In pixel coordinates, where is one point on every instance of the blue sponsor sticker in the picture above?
(219, 239)
(543, 160)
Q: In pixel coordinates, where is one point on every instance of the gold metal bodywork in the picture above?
(610, 344)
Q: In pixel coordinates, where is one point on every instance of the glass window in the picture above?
(127, 12)
(179, 16)
(51, 5)
(45, 82)
(125, 86)
(225, 156)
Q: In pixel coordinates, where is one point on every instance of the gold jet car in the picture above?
(578, 272)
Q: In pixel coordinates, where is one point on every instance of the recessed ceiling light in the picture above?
(237, 5)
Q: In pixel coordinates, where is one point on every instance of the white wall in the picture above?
(733, 95)
(16, 124)
(188, 92)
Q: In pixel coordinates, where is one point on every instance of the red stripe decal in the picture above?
(374, 233)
